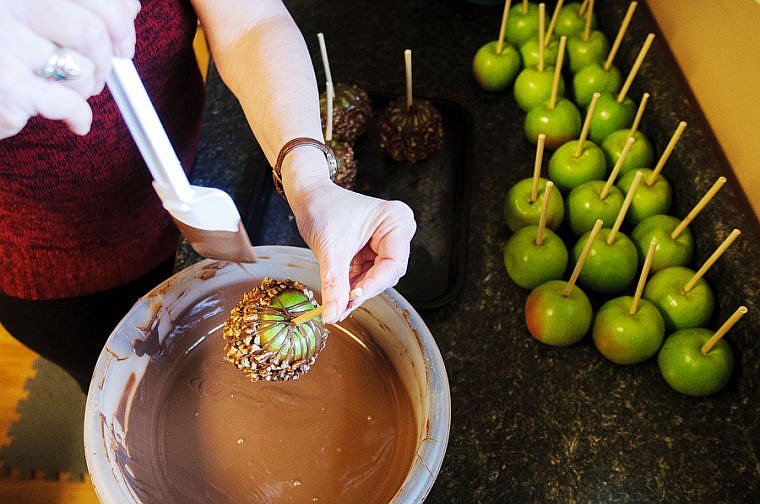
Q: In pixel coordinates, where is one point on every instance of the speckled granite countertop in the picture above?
(532, 423)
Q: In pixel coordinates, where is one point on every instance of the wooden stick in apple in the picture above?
(542, 215)
(325, 60)
(723, 329)
(639, 114)
(583, 7)
(408, 67)
(643, 278)
(652, 178)
(711, 260)
(589, 18)
(616, 169)
(541, 33)
(619, 37)
(329, 122)
(582, 257)
(586, 125)
(698, 208)
(635, 68)
(624, 208)
(503, 27)
(552, 23)
(537, 167)
(557, 72)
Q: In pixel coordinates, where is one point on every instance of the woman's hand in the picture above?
(76, 37)
(360, 242)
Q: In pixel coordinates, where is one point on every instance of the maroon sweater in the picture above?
(78, 215)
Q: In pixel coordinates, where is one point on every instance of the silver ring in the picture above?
(60, 66)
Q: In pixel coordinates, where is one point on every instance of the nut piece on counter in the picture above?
(352, 110)
(411, 133)
(260, 340)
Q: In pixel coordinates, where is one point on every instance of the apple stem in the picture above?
(557, 72)
(635, 68)
(552, 23)
(589, 17)
(542, 215)
(643, 277)
(639, 114)
(616, 169)
(666, 154)
(537, 166)
(698, 208)
(541, 23)
(619, 37)
(525, 7)
(586, 125)
(408, 66)
(503, 27)
(624, 209)
(711, 260)
(329, 120)
(723, 329)
(582, 258)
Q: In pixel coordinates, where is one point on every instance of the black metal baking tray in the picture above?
(436, 189)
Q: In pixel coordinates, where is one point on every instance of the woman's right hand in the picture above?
(89, 33)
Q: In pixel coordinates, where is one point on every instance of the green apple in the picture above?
(609, 267)
(568, 171)
(529, 264)
(593, 78)
(495, 71)
(522, 25)
(689, 371)
(680, 309)
(530, 54)
(560, 124)
(582, 52)
(287, 305)
(584, 205)
(668, 252)
(649, 199)
(520, 211)
(626, 338)
(533, 87)
(640, 155)
(570, 21)
(556, 319)
(610, 115)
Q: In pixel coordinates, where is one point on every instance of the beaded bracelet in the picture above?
(332, 163)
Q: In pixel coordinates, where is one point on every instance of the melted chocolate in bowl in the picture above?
(168, 419)
(200, 431)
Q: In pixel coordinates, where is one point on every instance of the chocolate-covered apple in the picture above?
(352, 110)
(535, 254)
(260, 339)
(696, 361)
(523, 23)
(578, 161)
(347, 163)
(496, 64)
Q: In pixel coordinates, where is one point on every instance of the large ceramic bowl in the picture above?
(393, 323)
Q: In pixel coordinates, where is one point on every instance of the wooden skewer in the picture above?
(541, 22)
(525, 6)
(317, 311)
(698, 208)
(666, 154)
(552, 23)
(643, 277)
(542, 215)
(586, 125)
(711, 260)
(635, 68)
(582, 258)
(582, 8)
(408, 66)
(724, 328)
(624, 209)
(537, 166)
(619, 38)
(616, 169)
(325, 60)
(557, 72)
(639, 114)
(503, 27)
(329, 120)
(589, 17)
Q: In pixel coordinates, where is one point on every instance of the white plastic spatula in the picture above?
(206, 216)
